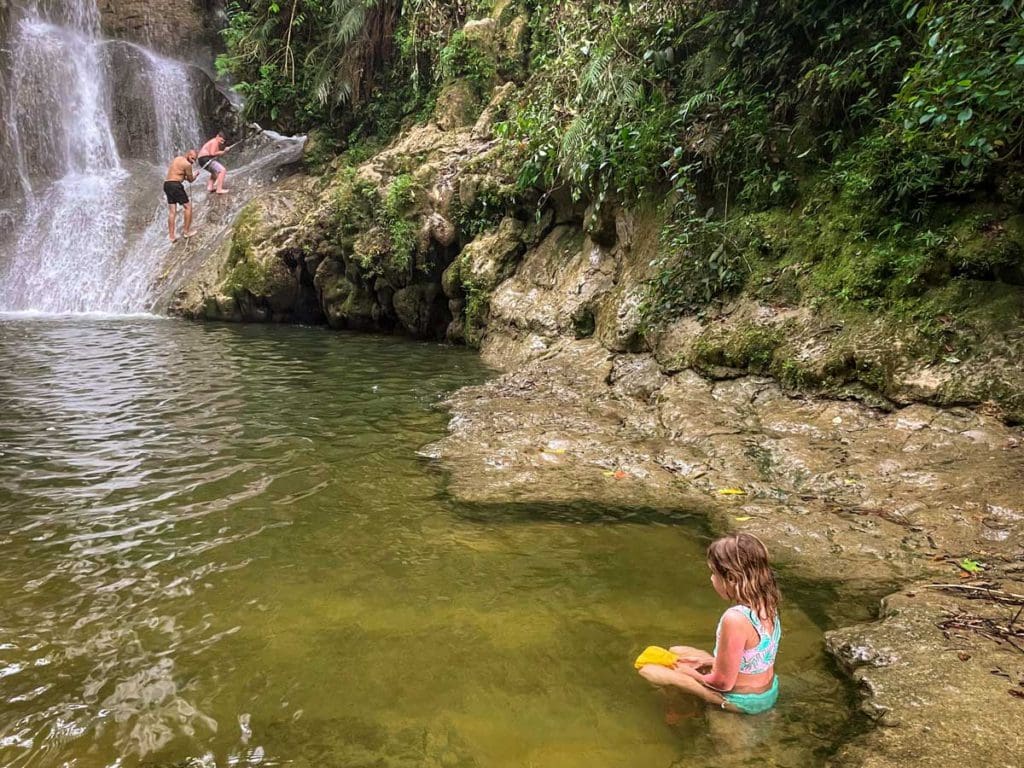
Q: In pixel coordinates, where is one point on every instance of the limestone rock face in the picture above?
(456, 106)
(926, 720)
(182, 28)
(560, 288)
(131, 75)
(422, 310)
(492, 257)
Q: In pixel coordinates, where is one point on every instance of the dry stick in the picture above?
(985, 627)
(1015, 617)
(997, 595)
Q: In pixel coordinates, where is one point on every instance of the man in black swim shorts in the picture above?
(179, 171)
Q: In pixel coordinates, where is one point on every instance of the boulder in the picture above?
(422, 310)
(456, 106)
(442, 231)
(492, 257)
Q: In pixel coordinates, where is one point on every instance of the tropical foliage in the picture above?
(868, 119)
(303, 64)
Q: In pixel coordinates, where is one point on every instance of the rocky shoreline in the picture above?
(864, 457)
(841, 492)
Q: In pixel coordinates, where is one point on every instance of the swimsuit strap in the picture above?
(761, 656)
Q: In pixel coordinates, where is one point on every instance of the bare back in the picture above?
(179, 170)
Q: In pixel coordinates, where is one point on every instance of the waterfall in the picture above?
(178, 125)
(89, 154)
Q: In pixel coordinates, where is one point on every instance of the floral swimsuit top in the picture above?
(761, 657)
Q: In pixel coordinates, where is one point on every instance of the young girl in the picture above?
(740, 675)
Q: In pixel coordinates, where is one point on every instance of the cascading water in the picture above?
(72, 249)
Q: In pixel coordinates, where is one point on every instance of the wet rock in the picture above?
(422, 310)
(133, 75)
(492, 257)
(933, 701)
(134, 120)
(216, 112)
(181, 29)
(636, 376)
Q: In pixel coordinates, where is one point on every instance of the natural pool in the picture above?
(220, 547)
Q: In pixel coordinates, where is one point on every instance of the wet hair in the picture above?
(741, 562)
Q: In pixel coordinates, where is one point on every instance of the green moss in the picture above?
(477, 298)
(243, 233)
(378, 226)
(794, 375)
(399, 202)
(461, 59)
(749, 348)
(245, 271)
(250, 277)
(371, 248)
(353, 200)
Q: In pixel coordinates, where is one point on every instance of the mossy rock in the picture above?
(359, 311)
(451, 280)
(750, 348)
(422, 310)
(990, 248)
(491, 258)
(457, 106)
(332, 289)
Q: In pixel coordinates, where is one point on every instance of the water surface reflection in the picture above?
(221, 549)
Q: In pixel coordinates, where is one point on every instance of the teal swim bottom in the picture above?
(755, 703)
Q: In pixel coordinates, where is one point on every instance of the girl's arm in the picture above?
(731, 640)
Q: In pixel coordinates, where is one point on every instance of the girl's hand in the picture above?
(695, 659)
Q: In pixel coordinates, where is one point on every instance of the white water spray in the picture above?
(69, 253)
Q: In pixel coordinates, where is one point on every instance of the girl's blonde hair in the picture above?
(741, 562)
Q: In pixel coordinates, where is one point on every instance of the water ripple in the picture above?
(142, 464)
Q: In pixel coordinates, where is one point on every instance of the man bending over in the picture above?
(179, 171)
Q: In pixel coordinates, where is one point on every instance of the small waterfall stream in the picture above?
(92, 124)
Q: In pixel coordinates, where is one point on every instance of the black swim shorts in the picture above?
(175, 192)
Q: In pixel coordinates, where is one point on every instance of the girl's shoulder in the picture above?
(743, 610)
(751, 615)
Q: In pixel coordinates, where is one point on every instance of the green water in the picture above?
(222, 549)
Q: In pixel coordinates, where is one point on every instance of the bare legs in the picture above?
(172, 211)
(188, 220)
(215, 182)
(660, 675)
(172, 215)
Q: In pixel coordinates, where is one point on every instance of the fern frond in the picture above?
(595, 74)
(573, 141)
